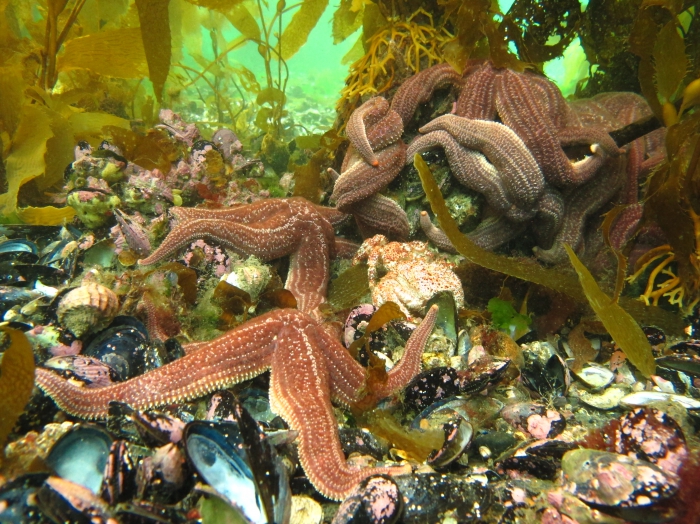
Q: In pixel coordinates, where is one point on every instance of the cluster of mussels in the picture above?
(443, 419)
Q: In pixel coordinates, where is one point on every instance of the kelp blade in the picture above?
(303, 21)
(155, 33)
(533, 272)
(116, 52)
(621, 326)
(16, 380)
(45, 216)
(27, 158)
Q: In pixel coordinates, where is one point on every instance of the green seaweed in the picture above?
(505, 317)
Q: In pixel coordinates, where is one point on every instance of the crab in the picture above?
(407, 273)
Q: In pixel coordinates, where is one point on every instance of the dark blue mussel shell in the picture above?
(123, 345)
(237, 461)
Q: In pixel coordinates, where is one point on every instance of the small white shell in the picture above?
(595, 376)
(89, 307)
(644, 398)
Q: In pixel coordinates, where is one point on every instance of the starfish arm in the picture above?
(410, 364)
(347, 376)
(267, 240)
(380, 214)
(495, 231)
(521, 109)
(582, 203)
(258, 211)
(470, 168)
(550, 213)
(418, 89)
(308, 268)
(334, 217)
(626, 225)
(386, 131)
(550, 98)
(345, 248)
(356, 129)
(436, 235)
(362, 180)
(477, 97)
(518, 169)
(588, 135)
(233, 357)
(300, 394)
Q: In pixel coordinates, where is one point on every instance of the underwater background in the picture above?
(357, 261)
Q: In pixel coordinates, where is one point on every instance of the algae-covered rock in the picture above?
(93, 208)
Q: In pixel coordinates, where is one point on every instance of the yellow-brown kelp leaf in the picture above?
(155, 33)
(530, 272)
(347, 19)
(271, 96)
(154, 150)
(670, 61)
(609, 220)
(351, 285)
(417, 444)
(386, 313)
(241, 19)
(26, 161)
(117, 52)
(298, 29)
(16, 381)
(11, 98)
(622, 327)
(45, 216)
(307, 178)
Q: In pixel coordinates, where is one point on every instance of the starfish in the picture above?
(418, 89)
(268, 229)
(520, 174)
(534, 108)
(375, 134)
(579, 206)
(308, 369)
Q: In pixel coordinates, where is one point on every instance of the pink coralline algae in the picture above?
(172, 122)
(212, 255)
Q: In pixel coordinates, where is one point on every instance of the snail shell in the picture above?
(89, 307)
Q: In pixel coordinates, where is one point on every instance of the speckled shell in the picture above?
(89, 307)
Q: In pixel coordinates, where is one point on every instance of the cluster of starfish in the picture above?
(507, 138)
(308, 366)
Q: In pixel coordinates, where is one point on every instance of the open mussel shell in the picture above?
(451, 415)
(81, 455)
(458, 436)
(447, 314)
(464, 499)
(19, 250)
(234, 459)
(595, 376)
(541, 459)
(545, 371)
